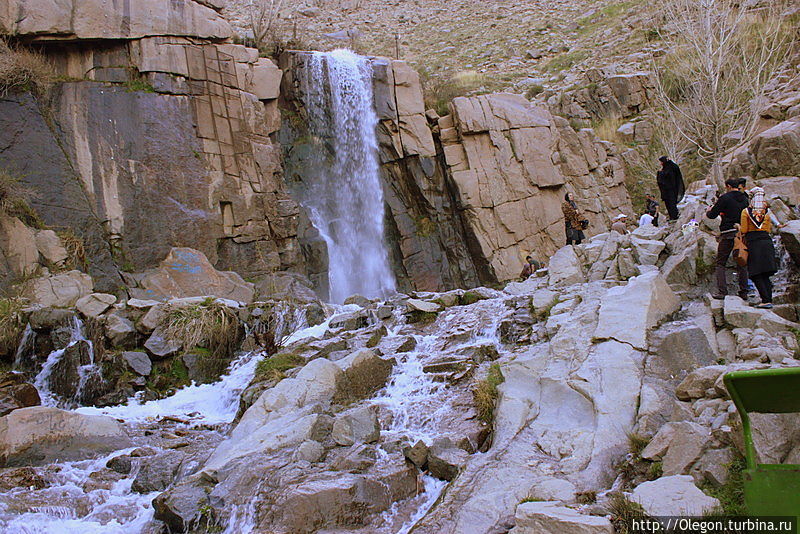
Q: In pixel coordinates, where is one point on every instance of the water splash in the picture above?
(344, 198)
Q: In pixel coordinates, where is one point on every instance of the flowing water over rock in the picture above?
(343, 193)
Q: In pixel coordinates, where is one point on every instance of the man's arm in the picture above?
(714, 211)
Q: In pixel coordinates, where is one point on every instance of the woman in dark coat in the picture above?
(755, 224)
(572, 221)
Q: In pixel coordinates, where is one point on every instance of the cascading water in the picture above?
(343, 195)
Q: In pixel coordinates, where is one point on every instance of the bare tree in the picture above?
(262, 19)
(712, 83)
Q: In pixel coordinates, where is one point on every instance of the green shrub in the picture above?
(637, 443)
(138, 84)
(421, 317)
(565, 61)
(534, 91)
(469, 297)
(730, 494)
(486, 393)
(275, 367)
(623, 512)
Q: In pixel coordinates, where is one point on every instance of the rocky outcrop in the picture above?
(95, 19)
(40, 435)
(511, 164)
(15, 393)
(162, 138)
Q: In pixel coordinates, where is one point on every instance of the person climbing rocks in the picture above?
(619, 224)
(531, 266)
(574, 222)
(756, 224)
(651, 208)
(670, 184)
(729, 206)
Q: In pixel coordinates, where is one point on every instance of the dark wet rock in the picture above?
(417, 454)
(157, 472)
(179, 507)
(120, 464)
(22, 477)
(365, 372)
(138, 361)
(445, 460)
(16, 393)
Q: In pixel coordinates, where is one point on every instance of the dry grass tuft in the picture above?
(209, 325)
(440, 90)
(13, 195)
(76, 250)
(10, 325)
(486, 393)
(23, 70)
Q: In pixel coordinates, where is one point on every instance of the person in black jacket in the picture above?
(730, 206)
(670, 183)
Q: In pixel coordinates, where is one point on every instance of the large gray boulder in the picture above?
(565, 268)
(357, 425)
(60, 290)
(42, 435)
(628, 312)
(673, 495)
(554, 518)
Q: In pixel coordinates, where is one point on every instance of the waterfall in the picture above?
(344, 198)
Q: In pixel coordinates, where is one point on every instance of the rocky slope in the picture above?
(374, 413)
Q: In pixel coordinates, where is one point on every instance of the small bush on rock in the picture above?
(14, 197)
(10, 325)
(486, 393)
(210, 325)
(23, 70)
(275, 367)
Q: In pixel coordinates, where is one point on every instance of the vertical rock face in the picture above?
(164, 141)
(512, 163)
(468, 196)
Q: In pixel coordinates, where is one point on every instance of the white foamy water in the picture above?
(85, 372)
(66, 507)
(208, 403)
(343, 193)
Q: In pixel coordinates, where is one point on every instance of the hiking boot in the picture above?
(765, 305)
(720, 296)
(744, 296)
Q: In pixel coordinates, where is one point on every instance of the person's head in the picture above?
(663, 160)
(649, 196)
(528, 259)
(732, 184)
(568, 197)
(741, 183)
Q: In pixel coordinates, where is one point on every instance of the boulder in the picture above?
(285, 286)
(713, 466)
(417, 454)
(16, 393)
(445, 460)
(179, 507)
(50, 247)
(266, 81)
(364, 373)
(553, 489)
(120, 331)
(565, 268)
(161, 347)
(188, 273)
(98, 19)
(60, 290)
(158, 472)
(688, 442)
(673, 495)
(95, 304)
(647, 250)
(42, 435)
(150, 320)
(423, 306)
(790, 237)
(554, 518)
(18, 254)
(739, 315)
(309, 451)
(138, 361)
(698, 382)
(627, 312)
(357, 425)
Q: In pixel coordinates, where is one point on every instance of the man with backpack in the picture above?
(730, 206)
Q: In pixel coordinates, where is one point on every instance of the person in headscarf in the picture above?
(573, 221)
(670, 184)
(755, 223)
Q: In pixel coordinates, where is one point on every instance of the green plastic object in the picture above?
(769, 489)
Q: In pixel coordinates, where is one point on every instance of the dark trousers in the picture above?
(574, 236)
(671, 203)
(724, 249)
(763, 285)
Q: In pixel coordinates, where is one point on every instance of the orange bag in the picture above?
(740, 250)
